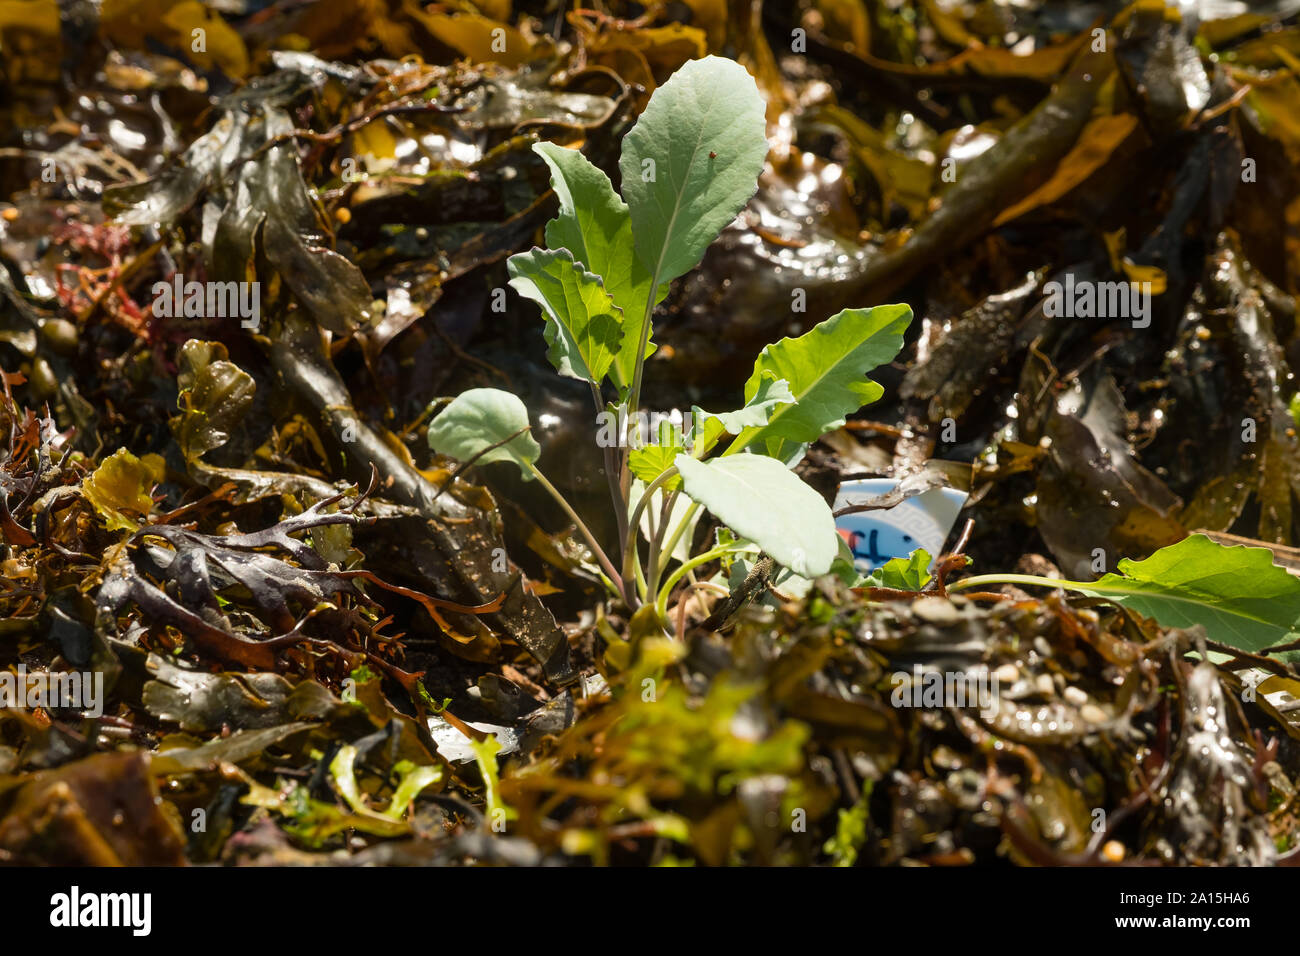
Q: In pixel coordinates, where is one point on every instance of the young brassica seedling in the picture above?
(688, 168)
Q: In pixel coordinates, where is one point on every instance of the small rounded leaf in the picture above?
(479, 419)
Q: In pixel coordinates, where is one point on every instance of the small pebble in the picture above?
(936, 610)
(1093, 714)
(1043, 682)
(61, 335)
(945, 758)
(42, 378)
(1075, 696)
(1007, 674)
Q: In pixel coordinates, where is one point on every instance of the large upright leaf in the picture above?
(595, 226)
(760, 499)
(692, 162)
(1237, 593)
(826, 369)
(583, 329)
(480, 418)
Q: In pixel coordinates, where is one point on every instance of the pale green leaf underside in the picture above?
(826, 369)
(760, 499)
(583, 327)
(1237, 593)
(593, 224)
(704, 133)
(478, 419)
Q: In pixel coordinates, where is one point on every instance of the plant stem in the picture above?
(661, 602)
(657, 539)
(666, 552)
(981, 580)
(613, 472)
(634, 397)
(664, 477)
(634, 403)
(631, 566)
(642, 593)
(596, 549)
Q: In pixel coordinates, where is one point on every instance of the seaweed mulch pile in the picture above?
(319, 643)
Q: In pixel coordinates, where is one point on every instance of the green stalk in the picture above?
(633, 404)
(642, 593)
(631, 564)
(983, 580)
(634, 397)
(657, 538)
(634, 523)
(613, 475)
(606, 564)
(666, 552)
(661, 602)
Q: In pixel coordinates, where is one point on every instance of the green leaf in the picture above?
(651, 461)
(120, 487)
(826, 369)
(760, 406)
(1237, 593)
(762, 500)
(692, 162)
(771, 393)
(485, 756)
(851, 830)
(595, 226)
(583, 327)
(902, 574)
(413, 780)
(845, 568)
(480, 418)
